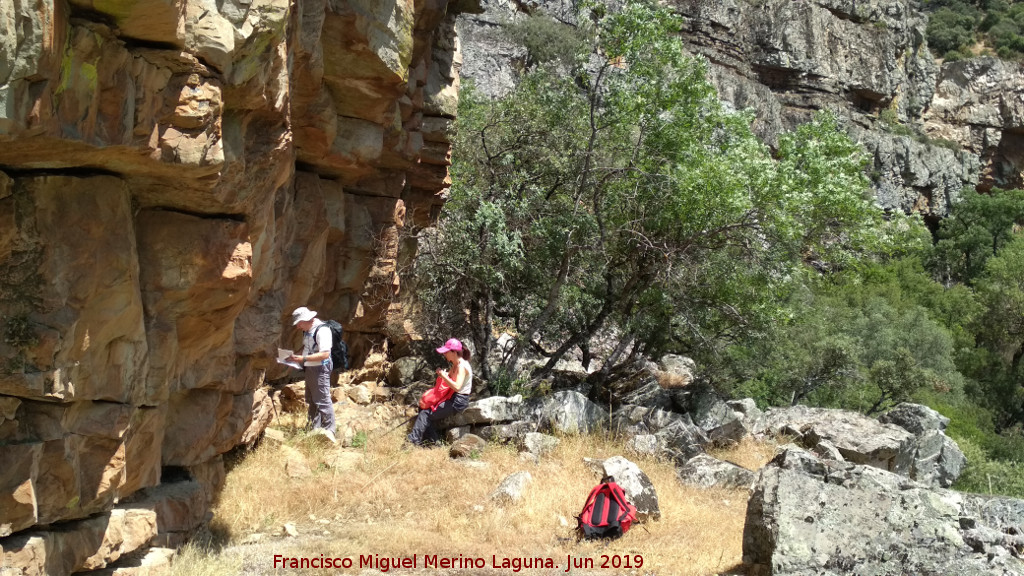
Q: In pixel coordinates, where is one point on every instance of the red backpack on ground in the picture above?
(606, 514)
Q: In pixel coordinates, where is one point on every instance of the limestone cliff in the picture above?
(175, 177)
(932, 128)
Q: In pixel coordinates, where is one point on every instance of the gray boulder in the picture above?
(640, 386)
(810, 516)
(938, 461)
(566, 412)
(512, 488)
(827, 450)
(859, 439)
(706, 471)
(646, 444)
(889, 443)
(405, 371)
(937, 458)
(752, 416)
(676, 371)
(636, 485)
(722, 423)
(510, 432)
(489, 411)
(538, 444)
(677, 437)
(915, 418)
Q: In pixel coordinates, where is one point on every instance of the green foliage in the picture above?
(977, 229)
(954, 26)
(985, 475)
(548, 40)
(507, 383)
(359, 439)
(995, 363)
(865, 342)
(950, 30)
(622, 197)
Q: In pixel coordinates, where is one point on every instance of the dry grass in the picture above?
(195, 560)
(390, 501)
(748, 453)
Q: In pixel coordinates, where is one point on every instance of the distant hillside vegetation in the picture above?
(960, 28)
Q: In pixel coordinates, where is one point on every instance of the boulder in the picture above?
(468, 446)
(712, 414)
(915, 418)
(636, 485)
(489, 411)
(155, 562)
(538, 444)
(811, 516)
(827, 450)
(676, 371)
(513, 431)
(405, 371)
(706, 471)
(360, 395)
(677, 437)
(645, 444)
(752, 416)
(566, 412)
(640, 385)
(262, 415)
(81, 545)
(512, 488)
(453, 434)
(859, 439)
(938, 461)
(293, 398)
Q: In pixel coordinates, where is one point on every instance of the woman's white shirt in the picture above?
(467, 386)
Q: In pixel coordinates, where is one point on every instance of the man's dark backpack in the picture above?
(339, 349)
(606, 514)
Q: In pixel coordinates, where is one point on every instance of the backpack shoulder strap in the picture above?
(317, 331)
(620, 496)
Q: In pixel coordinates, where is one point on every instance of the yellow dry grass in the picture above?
(748, 453)
(386, 501)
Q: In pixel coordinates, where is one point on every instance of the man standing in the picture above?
(316, 361)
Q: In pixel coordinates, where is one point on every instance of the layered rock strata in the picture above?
(175, 177)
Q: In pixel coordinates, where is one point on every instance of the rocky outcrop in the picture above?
(176, 177)
(909, 440)
(809, 516)
(979, 104)
(931, 128)
(706, 471)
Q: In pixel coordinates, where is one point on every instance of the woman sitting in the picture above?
(454, 385)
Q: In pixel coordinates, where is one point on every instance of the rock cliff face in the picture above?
(175, 177)
(933, 129)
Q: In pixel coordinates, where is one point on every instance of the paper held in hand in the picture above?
(282, 358)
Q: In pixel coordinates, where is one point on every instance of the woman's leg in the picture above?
(456, 403)
(419, 427)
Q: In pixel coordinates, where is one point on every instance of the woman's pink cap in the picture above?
(452, 344)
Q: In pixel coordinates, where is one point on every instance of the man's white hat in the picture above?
(302, 314)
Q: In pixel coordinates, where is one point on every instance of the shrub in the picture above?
(949, 30)
(984, 475)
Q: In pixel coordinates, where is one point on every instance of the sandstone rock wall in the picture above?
(932, 128)
(175, 177)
